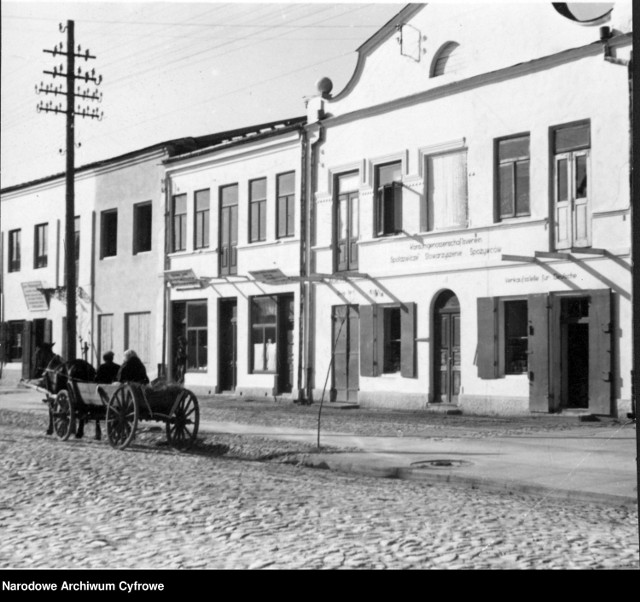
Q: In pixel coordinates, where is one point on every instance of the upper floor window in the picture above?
(388, 182)
(447, 191)
(109, 233)
(14, 251)
(285, 206)
(179, 223)
(40, 246)
(445, 61)
(229, 230)
(201, 219)
(513, 176)
(346, 208)
(258, 210)
(572, 207)
(142, 228)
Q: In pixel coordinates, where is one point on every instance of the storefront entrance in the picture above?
(227, 344)
(447, 375)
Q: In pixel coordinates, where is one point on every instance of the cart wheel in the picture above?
(182, 426)
(63, 415)
(122, 417)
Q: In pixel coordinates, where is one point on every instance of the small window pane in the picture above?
(286, 184)
(513, 148)
(581, 176)
(562, 180)
(572, 138)
(348, 182)
(522, 187)
(258, 189)
(229, 195)
(389, 173)
(197, 314)
(506, 190)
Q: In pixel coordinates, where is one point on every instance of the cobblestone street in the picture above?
(80, 504)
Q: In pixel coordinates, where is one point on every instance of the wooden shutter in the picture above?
(369, 340)
(408, 340)
(538, 306)
(487, 337)
(600, 352)
(4, 342)
(27, 349)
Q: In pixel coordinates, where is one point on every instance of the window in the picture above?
(229, 230)
(141, 228)
(40, 246)
(263, 333)
(392, 340)
(14, 251)
(516, 340)
(285, 207)
(201, 219)
(346, 206)
(447, 191)
(388, 198)
(445, 60)
(513, 176)
(572, 211)
(258, 210)
(109, 233)
(14, 344)
(179, 223)
(197, 336)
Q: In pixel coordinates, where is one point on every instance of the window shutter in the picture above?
(48, 328)
(538, 352)
(380, 202)
(397, 207)
(408, 341)
(487, 334)
(368, 340)
(27, 349)
(600, 352)
(4, 342)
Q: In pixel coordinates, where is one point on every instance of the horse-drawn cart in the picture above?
(73, 400)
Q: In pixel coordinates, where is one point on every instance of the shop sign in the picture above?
(34, 297)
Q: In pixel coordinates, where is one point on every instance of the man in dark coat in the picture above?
(107, 372)
(132, 369)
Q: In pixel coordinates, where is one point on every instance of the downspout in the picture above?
(309, 306)
(302, 301)
(168, 370)
(93, 285)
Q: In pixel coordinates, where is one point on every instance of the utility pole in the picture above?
(71, 93)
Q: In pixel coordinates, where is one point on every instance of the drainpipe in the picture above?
(166, 264)
(93, 285)
(302, 301)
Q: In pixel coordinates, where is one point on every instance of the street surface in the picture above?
(81, 504)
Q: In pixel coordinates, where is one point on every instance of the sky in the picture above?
(170, 69)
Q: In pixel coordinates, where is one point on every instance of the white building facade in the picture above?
(233, 263)
(469, 223)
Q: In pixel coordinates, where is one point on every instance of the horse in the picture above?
(57, 375)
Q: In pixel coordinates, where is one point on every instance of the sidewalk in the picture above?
(575, 464)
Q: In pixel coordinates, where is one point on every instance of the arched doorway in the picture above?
(446, 355)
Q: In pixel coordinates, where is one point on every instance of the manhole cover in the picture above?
(440, 463)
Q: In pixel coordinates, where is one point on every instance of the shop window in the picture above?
(258, 210)
(179, 223)
(229, 230)
(142, 228)
(201, 218)
(387, 339)
(40, 246)
(14, 251)
(447, 191)
(264, 317)
(388, 180)
(197, 334)
(109, 233)
(512, 156)
(285, 205)
(515, 337)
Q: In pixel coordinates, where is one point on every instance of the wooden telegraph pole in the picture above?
(71, 92)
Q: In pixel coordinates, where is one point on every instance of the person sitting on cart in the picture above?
(107, 372)
(132, 369)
